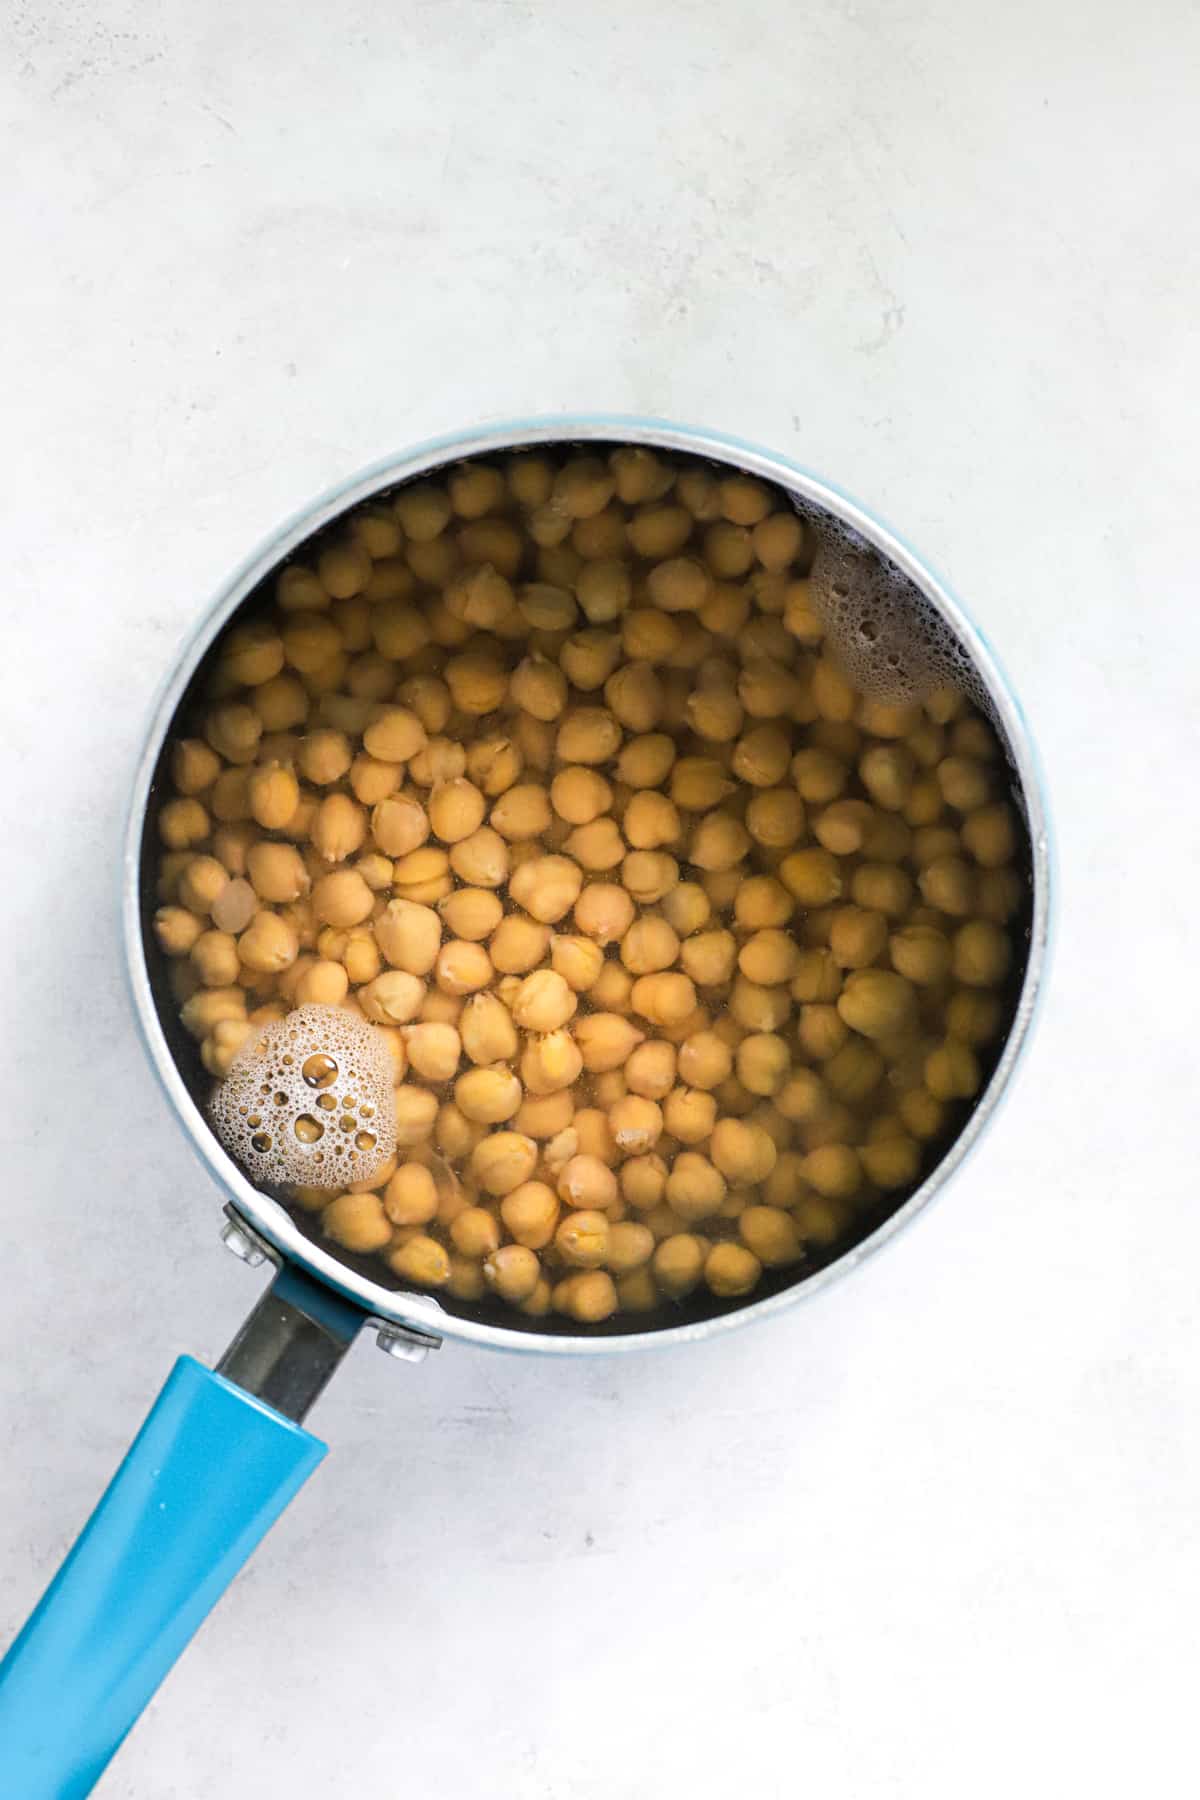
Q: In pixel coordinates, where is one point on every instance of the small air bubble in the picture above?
(261, 1141)
(308, 1129)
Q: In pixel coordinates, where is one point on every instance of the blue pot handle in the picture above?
(206, 1477)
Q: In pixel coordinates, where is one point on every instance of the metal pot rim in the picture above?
(267, 1217)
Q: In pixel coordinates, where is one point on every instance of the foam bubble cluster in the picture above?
(309, 1100)
(886, 634)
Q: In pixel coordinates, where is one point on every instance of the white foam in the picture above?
(256, 1108)
(890, 639)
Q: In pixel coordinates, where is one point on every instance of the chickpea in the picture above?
(678, 1264)
(578, 960)
(488, 1096)
(651, 1068)
(637, 1124)
(757, 1008)
(547, 886)
(503, 1162)
(715, 713)
(648, 875)
(921, 954)
(530, 1214)
(518, 944)
(588, 735)
(268, 944)
(409, 935)
(886, 771)
(952, 1071)
(482, 859)
(769, 958)
(812, 875)
(649, 945)
(582, 1239)
(596, 847)
(579, 795)
(990, 835)
(892, 1162)
(664, 999)
(689, 1115)
(604, 590)
(588, 1298)
(742, 1151)
(603, 912)
(586, 1181)
(981, 954)
(630, 1246)
(854, 1072)
(392, 998)
(233, 731)
(182, 824)
(421, 1260)
(878, 1003)
(215, 958)
(512, 1271)
(411, 1196)
(719, 842)
(732, 1270)
(550, 1063)
(521, 812)
(494, 764)
(775, 818)
(423, 512)
(357, 1222)
(833, 1170)
(965, 784)
(709, 957)
(1000, 893)
(704, 1062)
(857, 936)
(472, 913)
(974, 1016)
(949, 884)
(461, 967)
(634, 696)
(699, 783)
(194, 766)
(325, 756)
(643, 1181)
(931, 843)
(177, 930)
(324, 984)
(763, 1062)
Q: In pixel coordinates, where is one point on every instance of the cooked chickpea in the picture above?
(392, 998)
(605, 1040)
(678, 1264)
(582, 1239)
(482, 859)
(597, 846)
(579, 794)
(731, 1270)
(763, 1062)
(664, 999)
(411, 1196)
(578, 960)
(981, 954)
(456, 810)
(637, 1124)
(604, 912)
(551, 1062)
(949, 884)
(651, 1068)
(511, 1270)
(462, 967)
(921, 954)
(488, 1096)
(812, 875)
(472, 913)
(357, 1222)
(503, 1161)
(876, 1002)
(518, 944)
(268, 944)
(742, 1151)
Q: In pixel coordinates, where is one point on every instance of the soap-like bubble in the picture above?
(309, 1100)
(888, 637)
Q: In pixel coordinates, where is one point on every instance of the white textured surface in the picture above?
(934, 1535)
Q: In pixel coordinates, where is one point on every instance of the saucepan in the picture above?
(224, 1450)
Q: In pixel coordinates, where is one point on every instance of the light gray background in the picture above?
(934, 1535)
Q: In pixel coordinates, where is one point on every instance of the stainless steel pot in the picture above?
(222, 1452)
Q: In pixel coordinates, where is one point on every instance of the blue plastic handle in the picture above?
(205, 1479)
